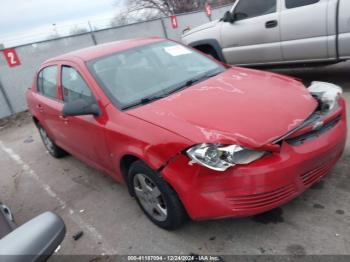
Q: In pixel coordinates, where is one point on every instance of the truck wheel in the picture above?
(209, 51)
(155, 197)
(213, 54)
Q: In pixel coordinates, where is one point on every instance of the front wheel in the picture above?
(51, 147)
(156, 198)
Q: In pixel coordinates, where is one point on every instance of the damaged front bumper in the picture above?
(246, 190)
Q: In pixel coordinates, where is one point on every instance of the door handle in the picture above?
(64, 118)
(271, 24)
(40, 108)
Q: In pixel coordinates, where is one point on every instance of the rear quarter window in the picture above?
(47, 82)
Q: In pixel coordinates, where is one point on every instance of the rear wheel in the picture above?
(155, 197)
(51, 147)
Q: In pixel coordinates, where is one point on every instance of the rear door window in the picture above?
(298, 3)
(47, 82)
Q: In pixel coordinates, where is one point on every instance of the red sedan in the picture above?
(189, 136)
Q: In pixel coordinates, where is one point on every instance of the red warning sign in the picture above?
(174, 23)
(11, 57)
(208, 9)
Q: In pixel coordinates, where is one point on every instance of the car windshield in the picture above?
(141, 75)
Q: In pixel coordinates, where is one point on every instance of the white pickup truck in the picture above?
(275, 32)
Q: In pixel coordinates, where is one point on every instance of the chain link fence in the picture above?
(16, 80)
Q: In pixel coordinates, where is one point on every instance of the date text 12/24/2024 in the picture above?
(174, 258)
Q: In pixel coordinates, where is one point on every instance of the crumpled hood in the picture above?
(248, 107)
(201, 27)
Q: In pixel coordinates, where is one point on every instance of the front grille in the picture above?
(263, 199)
(312, 176)
(314, 133)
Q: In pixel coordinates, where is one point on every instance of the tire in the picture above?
(161, 204)
(50, 146)
(209, 51)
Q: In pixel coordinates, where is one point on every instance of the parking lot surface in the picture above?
(317, 222)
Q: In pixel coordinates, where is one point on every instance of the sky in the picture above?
(23, 21)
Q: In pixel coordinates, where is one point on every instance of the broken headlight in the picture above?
(327, 93)
(220, 157)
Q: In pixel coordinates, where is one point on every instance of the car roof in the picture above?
(93, 52)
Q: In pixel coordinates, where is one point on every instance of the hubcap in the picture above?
(47, 141)
(150, 197)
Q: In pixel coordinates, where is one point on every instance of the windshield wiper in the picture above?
(145, 101)
(193, 81)
(202, 78)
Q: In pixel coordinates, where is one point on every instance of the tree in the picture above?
(121, 18)
(76, 30)
(52, 36)
(216, 3)
(133, 14)
(2, 46)
(143, 10)
(165, 7)
(169, 7)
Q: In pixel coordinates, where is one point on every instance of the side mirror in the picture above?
(228, 17)
(239, 16)
(81, 107)
(35, 240)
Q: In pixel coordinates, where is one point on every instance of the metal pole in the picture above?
(7, 100)
(92, 34)
(164, 28)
